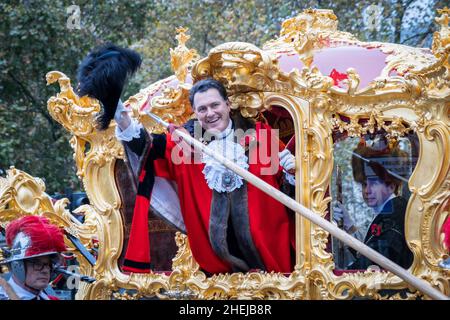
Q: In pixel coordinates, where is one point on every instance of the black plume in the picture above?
(102, 75)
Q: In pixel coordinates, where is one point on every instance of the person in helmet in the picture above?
(34, 247)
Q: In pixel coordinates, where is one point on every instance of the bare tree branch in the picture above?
(36, 102)
(422, 35)
(400, 12)
(408, 3)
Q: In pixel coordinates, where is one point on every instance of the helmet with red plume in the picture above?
(30, 237)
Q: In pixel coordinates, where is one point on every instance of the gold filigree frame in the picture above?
(417, 100)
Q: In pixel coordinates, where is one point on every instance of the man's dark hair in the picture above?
(205, 85)
(388, 179)
(359, 166)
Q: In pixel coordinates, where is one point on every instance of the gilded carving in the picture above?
(311, 29)
(394, 128)
(249, 104)
(441, 37)
(181, 58)
(415, 99)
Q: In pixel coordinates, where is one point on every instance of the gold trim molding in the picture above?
(415, 100)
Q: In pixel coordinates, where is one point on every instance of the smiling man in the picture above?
(212, 110)
(231, 225)
(34, 247)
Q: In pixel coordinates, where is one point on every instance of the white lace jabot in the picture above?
(217, 176)
(133, 131)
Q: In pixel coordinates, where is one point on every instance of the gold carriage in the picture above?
(322, 85)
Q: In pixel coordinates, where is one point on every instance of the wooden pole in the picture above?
(359, 246)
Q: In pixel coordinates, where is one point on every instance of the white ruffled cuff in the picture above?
(290, 178)
(133, 131)
(217, 176)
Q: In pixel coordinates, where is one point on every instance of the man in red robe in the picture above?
(232, 226)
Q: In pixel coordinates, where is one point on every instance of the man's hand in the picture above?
(287, 161)
(121, 116)
(178, 139)
(173, 130)
(341, 214)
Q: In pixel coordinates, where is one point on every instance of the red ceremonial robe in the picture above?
(271, 227)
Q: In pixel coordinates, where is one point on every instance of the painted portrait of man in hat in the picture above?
(381, 175)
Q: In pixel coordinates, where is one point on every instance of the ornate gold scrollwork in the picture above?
(396, 128)
(416, 99)
(167, 98)
(311, 79)
(172, 103)
(312, 29)
(241, 67)
(181, 58)
(423, 211)
(249, 104)
(74, 113)
(441, 38)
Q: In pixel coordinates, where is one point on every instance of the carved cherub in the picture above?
(352, 81)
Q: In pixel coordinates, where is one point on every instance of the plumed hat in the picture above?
(33, 236)
(102, 75)
(389, 164)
